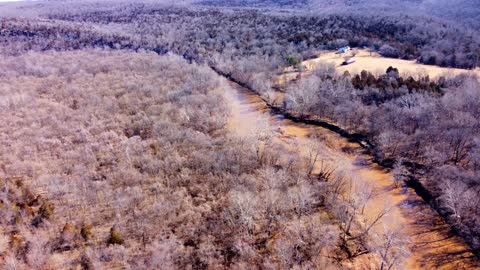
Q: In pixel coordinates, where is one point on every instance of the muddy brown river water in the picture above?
(431, 242)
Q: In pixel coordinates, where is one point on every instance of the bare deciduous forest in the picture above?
(120, 147)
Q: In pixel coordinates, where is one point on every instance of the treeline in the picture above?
(200, 32)
(460, 11)
(18, 36)
(257, 3)
(392, 80)
(245, 43)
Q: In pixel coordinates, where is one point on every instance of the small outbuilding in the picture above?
(343, 50)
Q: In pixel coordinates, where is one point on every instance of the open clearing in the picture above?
(376, 64)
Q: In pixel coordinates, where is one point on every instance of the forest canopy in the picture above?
(117, 149)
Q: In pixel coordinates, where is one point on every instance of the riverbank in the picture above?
(432, 243)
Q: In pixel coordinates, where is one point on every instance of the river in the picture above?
(431, 242)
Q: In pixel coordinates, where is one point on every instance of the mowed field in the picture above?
(376, 64)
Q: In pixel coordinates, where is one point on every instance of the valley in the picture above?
(213, 134)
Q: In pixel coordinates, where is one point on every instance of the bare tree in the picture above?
(314, 150)
(244, 208)
(400, 173)
(356, 224)
(164, 253)
(302, 198)
(38, 251)
(11, 263)
(392, 248)
(263, 140)
(453, 196)
(302, 98)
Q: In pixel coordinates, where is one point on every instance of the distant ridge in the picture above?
(257, 3)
